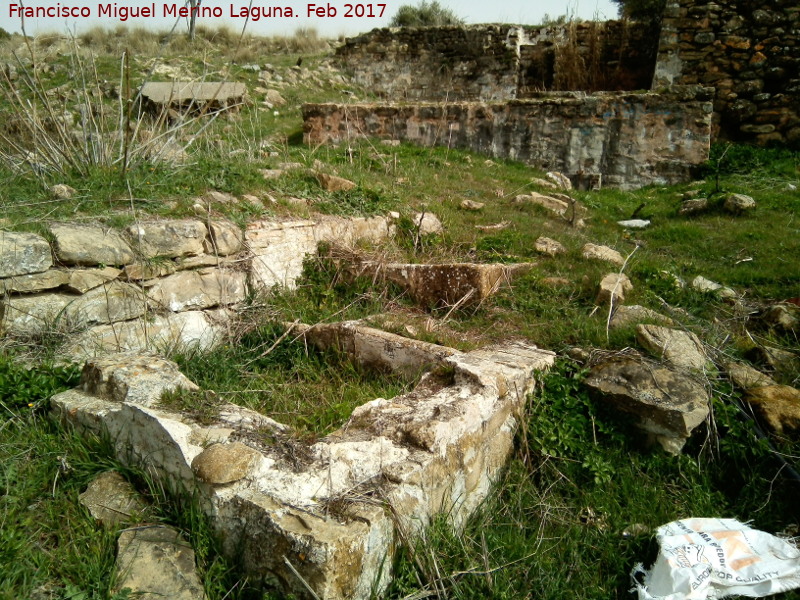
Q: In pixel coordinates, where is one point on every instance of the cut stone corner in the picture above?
(325, 516)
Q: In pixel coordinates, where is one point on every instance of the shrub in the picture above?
(642, 10)
(425, 14)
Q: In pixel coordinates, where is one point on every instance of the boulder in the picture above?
(666, 403)
(613, 288)
(62, 191)
(155, 562)
(746, 377)
(701, 284)
(548, 246)
(206, 288)
(681, 349)
(167, 238)
(554, 205)
(224, 463)
(427, 223)
(783, 316)
(635, 314)
(89, 245)
(560, 180)
(112, 500)
(693, 206)
(332, 183)
(23, 253)
(604, 253)
(737, 204)
(778, 406)
(471, 205)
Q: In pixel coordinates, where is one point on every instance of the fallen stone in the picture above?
(166, 334)
(496, 227)
(701, 284)
(81, 281)
(427, 223)
(633, 315)
(23, 253)
(783, 316)
(89, 245)
(274, 98)
(36, 282)
(544, 183)
(270, 174)
(554, 205)
(613, 288)
(746, 377)
(168, 238)
(604, 253)
(782, 362)
(693, 206)
(635, 223)
(737, 204)
(206, 288)
(560, 180)
(548, 246)
(681, 349)
(471, 205)
(224, 463)
(666, 403)
(198, 97)
(290, 166)
(154, 562)
(332, 183)
(62, 191)
(111, 500)
(778, 406)
(224, 238)
(215, 197)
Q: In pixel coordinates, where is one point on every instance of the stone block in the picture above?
(89, 245)
(23, 253)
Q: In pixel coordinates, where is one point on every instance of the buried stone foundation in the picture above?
(324, 519)
(629, 139)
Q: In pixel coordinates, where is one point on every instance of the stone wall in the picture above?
(498, 62)
(750, 51)
(154, 284)
(630, 139)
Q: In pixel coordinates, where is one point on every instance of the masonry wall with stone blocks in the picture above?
(749, 50)
(630, 139)
(154, 284)
(500, 62)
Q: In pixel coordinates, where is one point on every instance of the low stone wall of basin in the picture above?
(629, 139)
(324, 519)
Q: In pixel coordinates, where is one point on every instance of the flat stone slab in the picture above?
(193, 290)
(436, 450)
(23, 253)
(35, 282)
(682, 349)
(667, 403)
(154, 562)
(112, 500)
(181, 94)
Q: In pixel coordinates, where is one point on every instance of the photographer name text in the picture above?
(253, 12)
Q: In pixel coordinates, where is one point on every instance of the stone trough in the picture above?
(324, 519)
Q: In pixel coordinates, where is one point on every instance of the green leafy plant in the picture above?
(424, 14)
(30, 388)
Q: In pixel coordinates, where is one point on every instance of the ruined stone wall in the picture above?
(478, 62)
(155, 284)
(631, 139)
(750, 51)
(498, 62)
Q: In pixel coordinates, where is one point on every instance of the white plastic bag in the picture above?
(715, 558)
